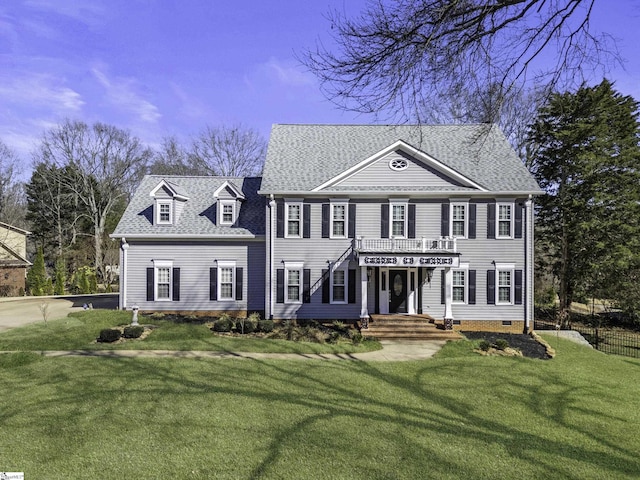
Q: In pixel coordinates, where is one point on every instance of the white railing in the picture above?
(405, 245)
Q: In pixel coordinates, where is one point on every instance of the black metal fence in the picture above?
(606, 340)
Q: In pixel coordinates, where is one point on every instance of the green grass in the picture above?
(80, 329)
(458, 415)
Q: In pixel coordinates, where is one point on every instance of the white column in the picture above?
(364, 286)
(271, 235)
(448, 292)
(123, 274)
(529, 252)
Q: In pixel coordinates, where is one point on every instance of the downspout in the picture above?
(272, 206)
(529, 253)
(123, 274)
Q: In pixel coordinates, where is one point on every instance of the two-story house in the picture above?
(13, 260)
(346, 221)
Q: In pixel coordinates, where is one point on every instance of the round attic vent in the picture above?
(398, 164)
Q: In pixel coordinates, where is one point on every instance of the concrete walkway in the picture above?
(392, 351)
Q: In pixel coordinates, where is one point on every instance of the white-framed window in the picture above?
(226, 280)
(504, 220)
(459, 286)
(339, 212)
(339, 286)
(293, 282)
(398, 215)
(164, 213)
(163, 280)
(504, 284)
(294, 220)
(227, 212)
(459, 220)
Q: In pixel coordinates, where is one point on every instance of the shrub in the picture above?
(245, 325)
(289, 328)
(134, 331)
(484, 346)
(501, 344)
(109, 335)
(254, 317)
(340, 326)
(265, 326)
(356, 337)
(334, 337)
(223, 324)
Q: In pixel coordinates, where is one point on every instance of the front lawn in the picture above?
(80, 329)
(458, 415)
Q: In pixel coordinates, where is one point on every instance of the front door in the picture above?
(397, 291)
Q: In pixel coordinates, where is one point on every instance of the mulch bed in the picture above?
(525, 343)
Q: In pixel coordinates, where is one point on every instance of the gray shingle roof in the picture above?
(303, 157)
(198, 218)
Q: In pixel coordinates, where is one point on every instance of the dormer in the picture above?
(228, 200)
(168, 203)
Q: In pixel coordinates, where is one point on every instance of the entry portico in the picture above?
(398, 268)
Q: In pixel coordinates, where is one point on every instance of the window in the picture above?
(225, 277)
(338, 220)
(294, 218)
(293, 288)
(505, 223)
(459, 286)
(227, 213)
(164, 212)
(338, 286)
(398, 220)
(163, 279)
(504, 286)
(458, 220)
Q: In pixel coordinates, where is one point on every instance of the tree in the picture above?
(38, 282)
(405, 59)
(60, 277)
(100, 165)
(172, 159)
(233, 151)
(11, 190)
(586, 157)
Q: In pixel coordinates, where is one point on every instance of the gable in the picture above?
(400, 166)
(399, 169)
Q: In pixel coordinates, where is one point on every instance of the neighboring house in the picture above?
(13, 260)
(346, 221)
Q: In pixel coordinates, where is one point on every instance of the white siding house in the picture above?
(346, 221)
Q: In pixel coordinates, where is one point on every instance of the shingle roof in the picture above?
(303, 157)
(198, 216)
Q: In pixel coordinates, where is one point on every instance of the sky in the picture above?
(172, 67)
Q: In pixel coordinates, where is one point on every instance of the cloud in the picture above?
(286, 73)
(189, 106)
(43, 90)
(88, 13)
(121, 92)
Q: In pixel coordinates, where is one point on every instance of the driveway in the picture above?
(15, 312)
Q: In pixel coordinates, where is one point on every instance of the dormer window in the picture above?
(227, 212)
(164, 215)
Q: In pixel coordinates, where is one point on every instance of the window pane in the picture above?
(504, 287)
(338, 286)
(165, 213)
(504, 212)
(293, 223)
(339, 215)
(294, 212)
(293, 285)
(227, 213)
(226, 283)
(504, 229)
(458, 294)
(163, 276)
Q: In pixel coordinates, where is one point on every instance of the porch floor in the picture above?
(408, 327)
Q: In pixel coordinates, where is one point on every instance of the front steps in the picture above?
(407, 327)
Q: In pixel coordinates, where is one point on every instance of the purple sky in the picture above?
(170, 67)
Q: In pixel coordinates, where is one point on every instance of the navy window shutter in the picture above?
(472, 221)
(280, 285)
(443, 281)
(306, 220)
(352, 220)
(326, 221)
(472, 287)
(444, 220)
(491, 220)
(280, 220)
(325, 286)
(150, 285)
(176, 284)
(239, 283)
(518, 287)
(384, 221)
(517, 228)
(411, 224)
(306, 285)
(491, 287)
(352, 285)
(213, 284)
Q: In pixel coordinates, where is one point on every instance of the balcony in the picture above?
(405, 245)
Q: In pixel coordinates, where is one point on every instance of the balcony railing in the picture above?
(405, 245)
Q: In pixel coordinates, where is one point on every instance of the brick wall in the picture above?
(517, 326)
(12, 280)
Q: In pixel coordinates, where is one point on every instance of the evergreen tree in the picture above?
(586, 158)
(61, 276)
(37, 276)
